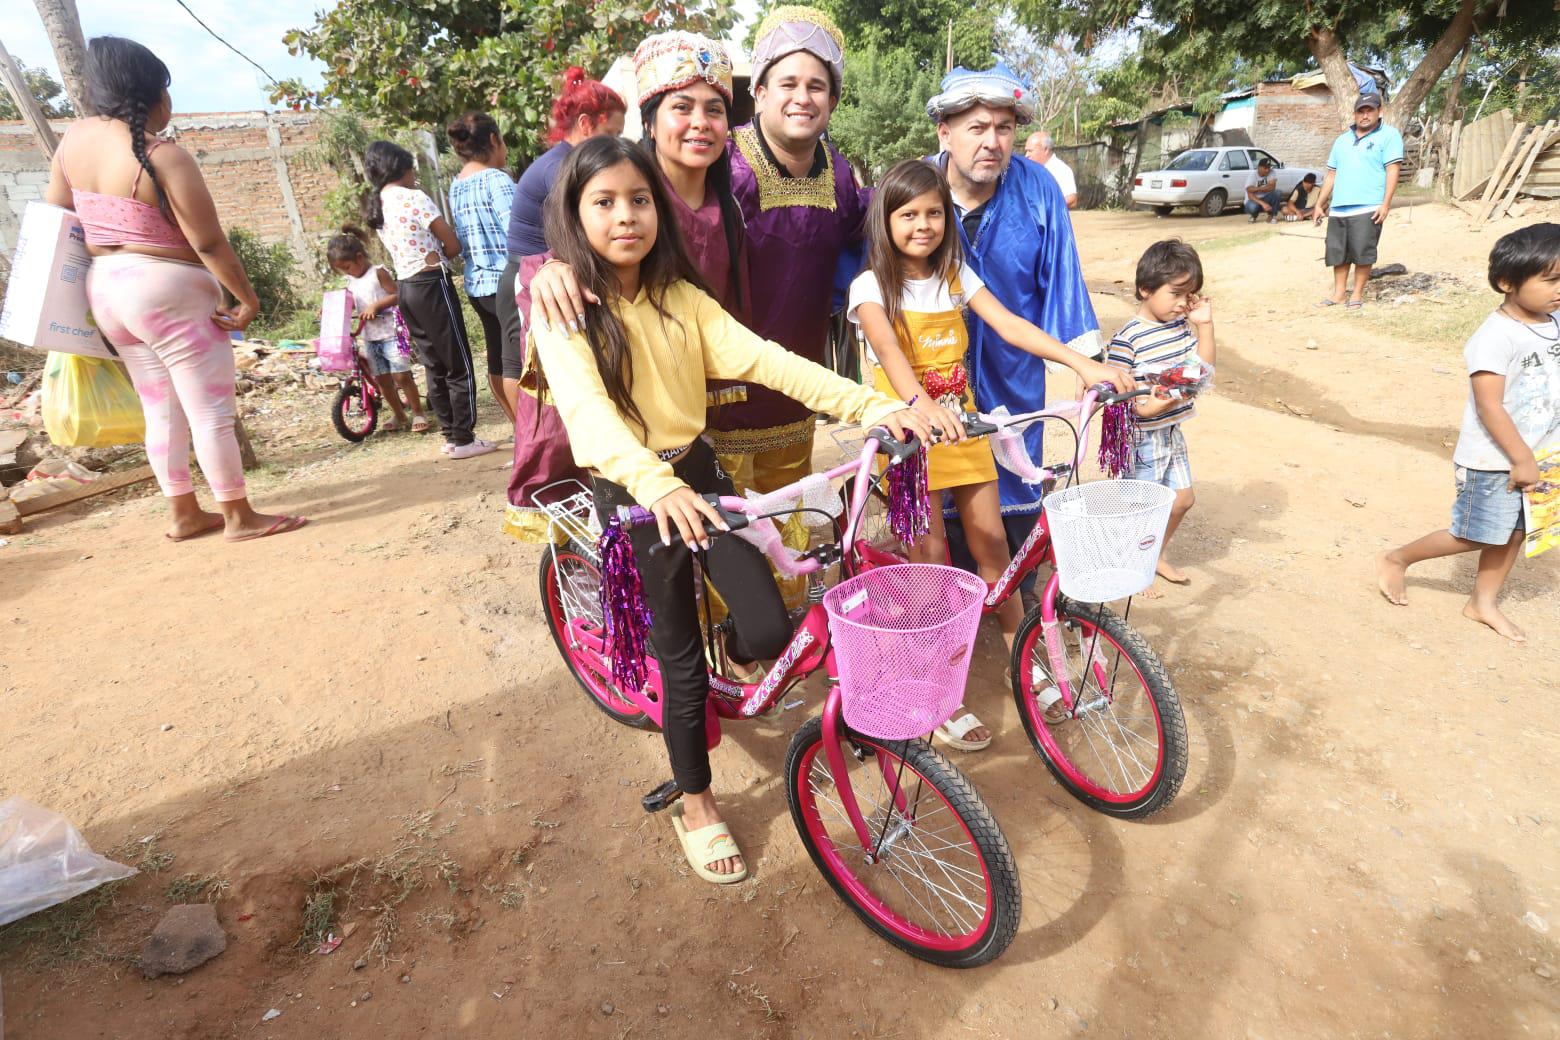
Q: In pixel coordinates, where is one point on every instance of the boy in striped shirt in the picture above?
(1173, 324)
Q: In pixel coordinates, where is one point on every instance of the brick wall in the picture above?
(249, 159)
(1298, 126)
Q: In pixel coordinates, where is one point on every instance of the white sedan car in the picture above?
(1212, 179)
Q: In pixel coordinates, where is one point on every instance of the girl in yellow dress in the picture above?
(910, 305)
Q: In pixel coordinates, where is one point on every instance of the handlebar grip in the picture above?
(634, 516)
(974, 427)
(1118, 398)
(895, 449)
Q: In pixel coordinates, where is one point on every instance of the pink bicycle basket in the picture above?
(903, 636)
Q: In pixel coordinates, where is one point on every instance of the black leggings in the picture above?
(492, 336)
(741, 573)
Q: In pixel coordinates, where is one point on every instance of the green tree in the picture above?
(882, 114)
(1327, 31)
(48, 93)
(920, 27)
(423, 63)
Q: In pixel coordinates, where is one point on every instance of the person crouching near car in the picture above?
(1299, 206)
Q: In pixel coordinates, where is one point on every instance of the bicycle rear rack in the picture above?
(571, 514)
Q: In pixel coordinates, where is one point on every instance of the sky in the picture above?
(207, 77)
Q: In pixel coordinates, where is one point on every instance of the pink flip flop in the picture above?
(282, 526)
(203, 532)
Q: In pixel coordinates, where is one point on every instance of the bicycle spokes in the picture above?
(923, 866)
(1112, 735)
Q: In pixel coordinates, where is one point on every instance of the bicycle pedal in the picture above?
(661, 797)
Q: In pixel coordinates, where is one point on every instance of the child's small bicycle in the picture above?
(1094, 698)
(355, 410)
(899, 833)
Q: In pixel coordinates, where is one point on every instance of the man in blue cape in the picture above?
(1018, 237)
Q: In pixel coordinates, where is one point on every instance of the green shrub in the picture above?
(271, 269)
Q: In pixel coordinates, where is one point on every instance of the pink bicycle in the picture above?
(899, 833)
(1096, 702)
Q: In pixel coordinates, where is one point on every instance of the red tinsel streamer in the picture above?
(909, 505)
(623, 604)
(1118, 430)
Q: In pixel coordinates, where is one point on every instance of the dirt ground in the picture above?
(1365, 845)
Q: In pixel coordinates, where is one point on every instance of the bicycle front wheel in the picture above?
(1122, 751)
(942, 885)
(571, 591)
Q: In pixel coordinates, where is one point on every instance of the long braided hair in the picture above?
(124, 81)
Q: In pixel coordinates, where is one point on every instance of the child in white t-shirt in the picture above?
(421, 244)
(1512, 416)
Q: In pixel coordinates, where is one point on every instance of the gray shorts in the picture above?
(1159, 456)
(1352, 240)
(1484, 510)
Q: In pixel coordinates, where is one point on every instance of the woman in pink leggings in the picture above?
(155, 287)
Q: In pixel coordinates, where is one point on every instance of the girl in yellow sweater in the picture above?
(630, 386)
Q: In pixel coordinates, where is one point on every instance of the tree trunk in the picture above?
(70, 50)
(1327, 49)
(1417, 87)
(16, 85)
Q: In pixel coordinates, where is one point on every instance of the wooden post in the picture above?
(246, 450)
(1540, 138)
(63, 25)
(32, 115)
(1497, 173)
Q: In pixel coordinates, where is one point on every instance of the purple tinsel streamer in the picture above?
(623, 601)
(403, 335)
(1118, 431)
(909, 505)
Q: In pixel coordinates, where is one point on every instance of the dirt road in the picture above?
(371, 710)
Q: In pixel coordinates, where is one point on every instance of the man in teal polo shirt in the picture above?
(1362, 176)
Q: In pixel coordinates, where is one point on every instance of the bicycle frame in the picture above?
(810, 649)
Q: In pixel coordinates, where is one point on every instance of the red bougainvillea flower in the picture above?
(412, 80)
(1019, 94)
(549, 45)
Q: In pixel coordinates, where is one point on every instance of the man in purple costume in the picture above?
(803, 207)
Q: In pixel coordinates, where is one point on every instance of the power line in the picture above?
(226, 44)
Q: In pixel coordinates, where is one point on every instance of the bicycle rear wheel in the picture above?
(571, 589)
(1123, 749)
(944, 887)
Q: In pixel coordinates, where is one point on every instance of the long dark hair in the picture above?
(383, 163)
(124, 81)
(664, 265)
(907, 180)
(718, 179)
(472, 135)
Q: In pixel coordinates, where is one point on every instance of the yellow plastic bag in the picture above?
(89, 403)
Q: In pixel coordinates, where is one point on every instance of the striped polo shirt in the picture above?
(1145, 346)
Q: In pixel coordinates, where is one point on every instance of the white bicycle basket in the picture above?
(1107, 536)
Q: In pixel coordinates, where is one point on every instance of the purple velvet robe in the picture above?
(796, 229)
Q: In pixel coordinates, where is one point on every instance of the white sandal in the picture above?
(955, 729)
(709, 845)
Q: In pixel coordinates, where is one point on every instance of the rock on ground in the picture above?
(187, 937)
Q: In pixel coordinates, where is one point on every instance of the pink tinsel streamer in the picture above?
(1118, 430)
(623, 604)
(909, 505)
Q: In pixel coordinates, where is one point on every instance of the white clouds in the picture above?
(207, 77)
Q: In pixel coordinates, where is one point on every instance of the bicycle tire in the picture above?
(346, 397)
(602, 694)
(1051, 740)
(999, 872)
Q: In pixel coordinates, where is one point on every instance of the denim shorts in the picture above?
(1484, 511)
(385, 358)
(1159, 456)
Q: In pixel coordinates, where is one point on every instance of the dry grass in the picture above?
(1445, 320)
(195, 888)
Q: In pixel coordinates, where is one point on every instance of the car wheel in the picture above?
(1163, 211)
(1213, 203)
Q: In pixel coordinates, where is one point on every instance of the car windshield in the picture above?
(1196, 160)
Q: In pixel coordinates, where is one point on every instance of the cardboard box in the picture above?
(46, 301)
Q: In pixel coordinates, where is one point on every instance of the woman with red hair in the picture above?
(584, 109)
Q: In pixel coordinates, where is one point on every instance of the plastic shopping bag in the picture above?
(89, 403)
(44, 861)
(335, 343)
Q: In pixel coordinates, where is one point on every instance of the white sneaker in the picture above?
(475, 448)
(444, 449)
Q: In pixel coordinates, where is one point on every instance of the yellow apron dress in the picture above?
(935, 349)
